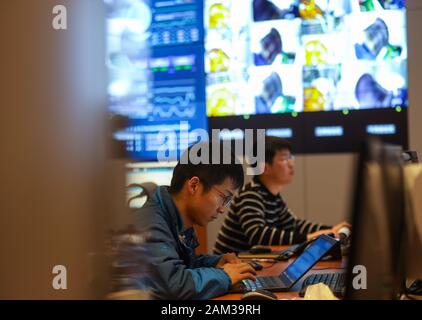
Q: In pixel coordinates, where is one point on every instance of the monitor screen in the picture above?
(413, 189)
(283, 56)
(155, 58)
(323, 73)
(309, 257)
(378, 220)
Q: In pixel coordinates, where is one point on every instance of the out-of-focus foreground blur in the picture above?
(59, 191)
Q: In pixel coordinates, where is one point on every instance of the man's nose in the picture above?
(291, 163)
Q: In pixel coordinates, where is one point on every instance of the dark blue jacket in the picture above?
(177, 272)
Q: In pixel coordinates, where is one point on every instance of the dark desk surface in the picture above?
(272, 269)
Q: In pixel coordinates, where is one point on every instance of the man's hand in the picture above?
(316, 234)
(344, 224)
(334, 230)
(239, 271)
(228, 258)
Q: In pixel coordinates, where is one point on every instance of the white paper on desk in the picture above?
(319, 291)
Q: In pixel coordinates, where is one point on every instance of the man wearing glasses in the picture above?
(259, 216)
(197, 195)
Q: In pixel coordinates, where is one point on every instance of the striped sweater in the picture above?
(258, 217)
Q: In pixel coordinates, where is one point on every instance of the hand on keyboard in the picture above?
(239, 271)
(228, 258)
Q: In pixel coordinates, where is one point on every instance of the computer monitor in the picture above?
(375, 267)
(413, 251)
(321, 73)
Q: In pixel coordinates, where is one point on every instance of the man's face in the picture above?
(268, 52)
(270, 48)
(204, 206)
(271, 89)
(281, 170)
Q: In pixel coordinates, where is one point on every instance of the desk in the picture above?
(271, 269)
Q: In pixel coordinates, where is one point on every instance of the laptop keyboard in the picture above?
(262, 283)
(335, 281)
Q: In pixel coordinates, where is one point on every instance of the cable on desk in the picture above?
(271, 265)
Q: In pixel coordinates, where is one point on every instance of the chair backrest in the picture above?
(410, 156)
(143, 191)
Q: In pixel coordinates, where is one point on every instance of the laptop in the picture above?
(283, 282)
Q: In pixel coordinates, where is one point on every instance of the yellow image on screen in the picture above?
(221, 102)
(313, 100)
(219, 16)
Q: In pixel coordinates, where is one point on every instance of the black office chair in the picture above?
(146, 190)
(410, 156)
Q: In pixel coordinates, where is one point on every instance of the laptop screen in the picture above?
(309, 257)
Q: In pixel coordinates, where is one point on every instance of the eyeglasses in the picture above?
(288, 157)
(226, 199)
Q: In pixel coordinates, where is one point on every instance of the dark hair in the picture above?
(208, 172)
(274, 144)
(273, 37)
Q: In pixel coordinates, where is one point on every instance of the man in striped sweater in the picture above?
(259, 215)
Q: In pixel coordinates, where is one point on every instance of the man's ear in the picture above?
(262, 167)
(266, 168)
(193, 185)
